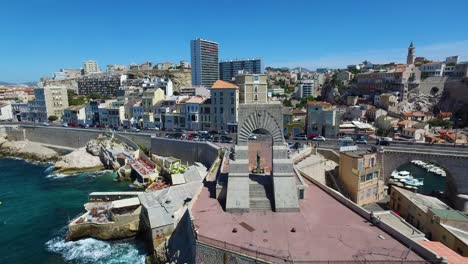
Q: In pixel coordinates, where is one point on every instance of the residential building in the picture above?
(112, 68)
(351, 100)
(205, 65)
(307, 88)
(373, 113)
(150, 98)
(92, 112)
(398, 79)
(111, 113)
(106, 85)
(184, 64)
(432, 69)
(230, 68)
(413, 133)
(386, 123)
(252, 88)
(359, 173)
(388, 100)
(90, 67)
(148, 65)
(137, 110)
(194, 91)
(193, 112)
(164, 65)
(20, 111)
(6, 112)
(67, 74)
(433, 217)
(322, 119)
(344, 76)
(75, 115)
(205, 115)
(275, 91)
(49, 101)
(225, 102)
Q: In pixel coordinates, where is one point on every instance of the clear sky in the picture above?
(39, 37)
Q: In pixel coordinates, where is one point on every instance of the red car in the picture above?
(312, 136)
(190, 137)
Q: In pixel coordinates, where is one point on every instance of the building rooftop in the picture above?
(450, 214)
(444, 251)
(324, 230)
(219, 84)
(423, 202)
(356, 153)
(324, 104)
(196, 100)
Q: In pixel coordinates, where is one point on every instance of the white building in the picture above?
(49, 101)
(306, 88)
(6, 112)
(432, 69)
(90, 66)
(192, 112)
(75, 115)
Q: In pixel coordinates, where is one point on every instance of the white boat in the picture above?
(412, 182)
(399, 175)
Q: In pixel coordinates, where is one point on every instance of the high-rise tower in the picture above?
(205, 65)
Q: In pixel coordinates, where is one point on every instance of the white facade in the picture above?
(75, 115)
(432, 69)
(90, 66)
(306, 88)
(6, 112)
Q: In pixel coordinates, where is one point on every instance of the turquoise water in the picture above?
(432, 181)
(36, 208)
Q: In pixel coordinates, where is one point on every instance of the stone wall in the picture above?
(182, 243)
(187, 151)
(208, 254)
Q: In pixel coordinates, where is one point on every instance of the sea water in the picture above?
(36, 207)
(432, 181)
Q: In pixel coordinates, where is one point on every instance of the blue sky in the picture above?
(39, 37)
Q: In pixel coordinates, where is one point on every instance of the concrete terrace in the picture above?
(325, 230)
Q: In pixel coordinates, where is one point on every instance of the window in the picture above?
(232, 111)
(255, 88)
(362, 179)
(369, 177)
(256, 98)
(256, 78)
(376, 174)
(221, 110)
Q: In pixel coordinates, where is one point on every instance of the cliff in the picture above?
(27, 150)
(78, 161)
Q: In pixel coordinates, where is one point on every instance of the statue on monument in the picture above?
(259, 169)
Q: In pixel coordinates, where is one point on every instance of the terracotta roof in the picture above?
(325, 104)
(444, 251)
(224, 85)
(445, 114)
(196, 100)
(405, 122)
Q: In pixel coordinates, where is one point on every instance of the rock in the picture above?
(78, 161)
(28, 150)
(92, 147)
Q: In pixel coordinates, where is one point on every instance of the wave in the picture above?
(60, 175)
(49, 169)
(95, 251)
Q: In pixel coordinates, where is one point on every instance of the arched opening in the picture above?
(260, 146)
(434, 90)
(421, 176)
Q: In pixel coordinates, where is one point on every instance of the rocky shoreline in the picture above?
(85, 159)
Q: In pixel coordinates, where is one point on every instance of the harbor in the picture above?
(421, 177)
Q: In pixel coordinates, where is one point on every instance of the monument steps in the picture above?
(258, 194)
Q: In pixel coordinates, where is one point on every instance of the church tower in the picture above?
(411, 56)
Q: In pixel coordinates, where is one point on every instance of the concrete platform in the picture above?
(325, 230)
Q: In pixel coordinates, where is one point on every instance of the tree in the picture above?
(287, 103)
(95, 96)
(440, 123)
(53, 118)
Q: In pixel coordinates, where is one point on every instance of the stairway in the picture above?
(259, 194)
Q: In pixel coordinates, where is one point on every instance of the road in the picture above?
(329, 143)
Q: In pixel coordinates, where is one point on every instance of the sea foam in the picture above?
(91, 250)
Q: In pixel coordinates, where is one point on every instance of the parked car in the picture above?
(382, 142)
(361, 141)
(226, 139)
(300, 137)
(345, 141)
(65, 125)
(290, 144)
(252, 137)
(318, 138)
(312, 136)
(223, 132)
(45, 124)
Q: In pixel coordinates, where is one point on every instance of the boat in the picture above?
(399, 175)
(412, 182)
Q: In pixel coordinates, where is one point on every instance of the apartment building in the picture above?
(225, 103)
(49, 101)
(90, 67)
(322, 119)
(106, 85)
(230, 68)
(193, 112)
(75, 115)
(359, 172)
(205, 62)
(252, 88)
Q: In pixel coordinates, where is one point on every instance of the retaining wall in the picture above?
(188, 151)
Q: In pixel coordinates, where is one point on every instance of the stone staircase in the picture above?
(259, 194)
